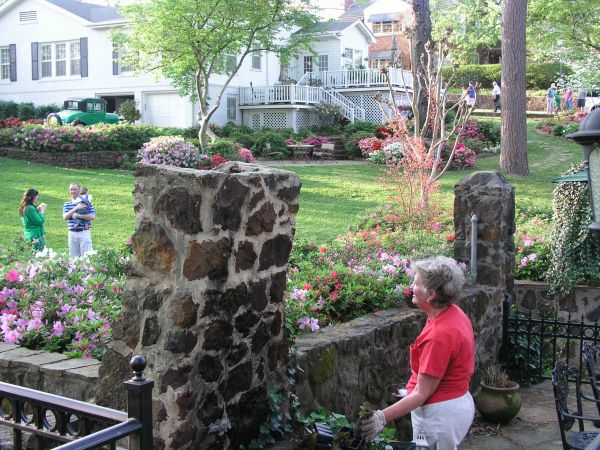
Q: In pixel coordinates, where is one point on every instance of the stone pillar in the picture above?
(205, 302)
(492, 199)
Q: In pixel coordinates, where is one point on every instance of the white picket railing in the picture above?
(356, 78)
(290, 94)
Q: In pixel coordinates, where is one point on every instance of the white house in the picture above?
(51, 50)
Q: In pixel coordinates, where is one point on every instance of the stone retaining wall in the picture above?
(582, 301)
(345, 365)
(49, 372)
(75, 160)
(487, 102)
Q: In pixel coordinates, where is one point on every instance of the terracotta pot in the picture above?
(498, 405)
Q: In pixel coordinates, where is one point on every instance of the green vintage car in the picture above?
(83, 111)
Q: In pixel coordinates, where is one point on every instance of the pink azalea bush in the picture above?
(246, 155)
(169, 150)
(532, 257)
(63, 139)
(317, 141)
(57, 304)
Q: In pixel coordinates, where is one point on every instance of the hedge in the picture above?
(25, 110)
(538, 76)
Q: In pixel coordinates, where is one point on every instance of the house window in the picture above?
(231, 108)
(256, 60)
(4, 63)
(358, 62)
(231, 63)
(64, 57)
(308, 64)
(386, 27)
(324, 62)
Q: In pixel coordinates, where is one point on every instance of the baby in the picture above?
(86, 198)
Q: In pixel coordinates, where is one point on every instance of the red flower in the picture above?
(339, 286)
(323, 249)
(450, 238)
(334, 274)
(307, 286)
(408, 292)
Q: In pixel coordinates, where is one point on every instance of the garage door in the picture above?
(166, 110)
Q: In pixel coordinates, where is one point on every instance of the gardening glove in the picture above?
(371, 426)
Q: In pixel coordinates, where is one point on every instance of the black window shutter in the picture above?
(35, 65)
(13, 62)
(115, 59)
(83, 49)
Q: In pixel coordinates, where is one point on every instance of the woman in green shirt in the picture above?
(33, 219)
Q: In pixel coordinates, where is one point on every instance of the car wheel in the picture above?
(78, 123)
(54, 120)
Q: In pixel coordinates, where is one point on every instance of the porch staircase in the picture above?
(339, 151)
(350, 110)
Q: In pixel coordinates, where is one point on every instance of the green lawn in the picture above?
(332, 197)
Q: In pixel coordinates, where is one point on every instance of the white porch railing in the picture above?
(356, 78)
(293, 93)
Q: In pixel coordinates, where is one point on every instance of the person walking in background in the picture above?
(496, 95)
(569, 99)
(32, 218)
(581, 100)
(471, 96)
(442, 361)
(78, 214)
(550, 98)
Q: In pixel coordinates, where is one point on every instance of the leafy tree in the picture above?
(475, 24)
(564, 28)
(188, 41)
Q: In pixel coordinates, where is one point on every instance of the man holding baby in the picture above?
(79, 212)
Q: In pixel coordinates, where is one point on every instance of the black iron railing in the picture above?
(532, 344)
(79, 425)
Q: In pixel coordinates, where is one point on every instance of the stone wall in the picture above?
(76, 160)
(49, 372)
(485, 101)
(205, 304)
(345, 365)
(581, 302)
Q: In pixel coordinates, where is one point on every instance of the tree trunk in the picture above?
(513, 151)
(421, 35)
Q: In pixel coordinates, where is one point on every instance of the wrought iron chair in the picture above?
(576, 440)
(591, 354)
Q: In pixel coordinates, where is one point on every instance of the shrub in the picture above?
(370, 144)
(542, 75)
(317, 141)
(26, 111)
(532, 258)
(351, 142)
(6, 136)
(489, 130)
(277, 141)
(8, 108)
(558, 130)
(55, 304)
(362, 126)
(42, 111)
(464, 158)
(61, 139)
(170, 150)
(329, 114)
(246, 155)
(129, 110)
(223, 147)
(575, 249)
(391, 153)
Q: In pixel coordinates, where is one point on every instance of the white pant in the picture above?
(80, 242)
(448, 421)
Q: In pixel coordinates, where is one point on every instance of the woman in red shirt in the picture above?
(442, 361)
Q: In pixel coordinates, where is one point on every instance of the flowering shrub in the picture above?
(391, 153)
(56, 304)
(359, 272)
(464, 158)
(170, 150)
(317, 141)
(246, 155)
(369, 145)
(532, 257)
(63, 139)
(217, 160)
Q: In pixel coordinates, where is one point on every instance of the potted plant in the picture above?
(498, 401)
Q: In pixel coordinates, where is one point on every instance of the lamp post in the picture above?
(589, 138)
(393, 50)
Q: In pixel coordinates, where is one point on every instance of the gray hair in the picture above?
(441, 275)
